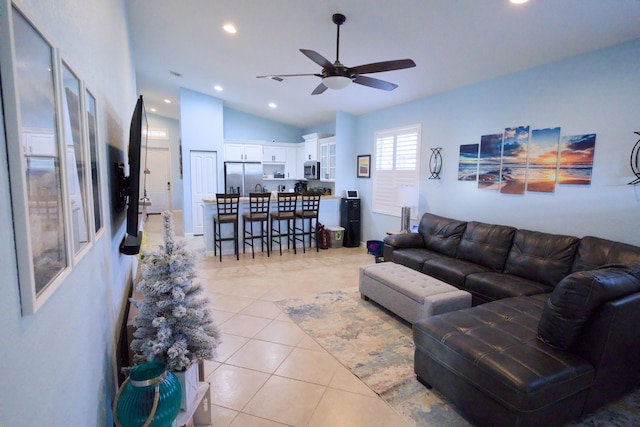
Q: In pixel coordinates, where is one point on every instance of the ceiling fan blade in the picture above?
(319, 89)
(275, 76)
(378, 67)
(317, 58)
(375, 83)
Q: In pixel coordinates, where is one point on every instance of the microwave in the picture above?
(312, 170)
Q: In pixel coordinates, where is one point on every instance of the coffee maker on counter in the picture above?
(300, 187)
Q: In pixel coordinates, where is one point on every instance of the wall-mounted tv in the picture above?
(131, 243)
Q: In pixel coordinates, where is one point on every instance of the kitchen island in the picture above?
(329, 216)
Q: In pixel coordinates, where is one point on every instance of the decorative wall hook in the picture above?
(435, 163)
(634, 160)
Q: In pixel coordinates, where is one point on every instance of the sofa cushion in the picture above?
(578, 295)
(491, 286)
(493, 346)
(594, 252)
(486, 244)
(541, 257)
(451, 270)
(441, 234)
(415, 258)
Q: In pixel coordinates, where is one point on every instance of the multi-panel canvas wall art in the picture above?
(520, 160)
(543, 160)
(490, 158)
(513, 173)
(468, 162)
(576, 159)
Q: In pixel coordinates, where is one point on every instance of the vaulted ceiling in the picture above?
(453, 42)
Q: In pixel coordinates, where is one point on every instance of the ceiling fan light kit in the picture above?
(337, 76)
(336, 82)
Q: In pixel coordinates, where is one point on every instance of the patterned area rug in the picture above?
(378, 348)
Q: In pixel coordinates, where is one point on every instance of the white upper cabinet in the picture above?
(274, 154)
(237, 152)
(311, 145)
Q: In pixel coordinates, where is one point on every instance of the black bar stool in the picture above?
(310, 206)
(286, 212)
(258, 212)
(227, 205)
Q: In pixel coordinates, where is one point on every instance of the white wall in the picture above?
(58, 364)
(594, 93)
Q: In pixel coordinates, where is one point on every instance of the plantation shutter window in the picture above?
(396, 164)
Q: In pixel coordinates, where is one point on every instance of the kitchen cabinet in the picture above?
(311, 145)
(300, 158)
(327, 149)
(236, 152)
(291, 166)
(274, 154)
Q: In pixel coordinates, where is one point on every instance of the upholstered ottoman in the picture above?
(408, 293)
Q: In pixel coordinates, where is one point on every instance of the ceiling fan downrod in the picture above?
(338, 19)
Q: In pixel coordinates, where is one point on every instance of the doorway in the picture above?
(204, 184)
(158, 179)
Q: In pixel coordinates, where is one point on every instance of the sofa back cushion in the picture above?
(486, 244)
(594, 252)
(441, 234)
(580, 294)
(541, 257)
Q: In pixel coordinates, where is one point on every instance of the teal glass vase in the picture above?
(150, 397)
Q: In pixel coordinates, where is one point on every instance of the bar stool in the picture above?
(310, 206)
(286, 212)
(227, 205)
(258, 212)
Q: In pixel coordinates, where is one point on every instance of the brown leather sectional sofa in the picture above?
(554, 332)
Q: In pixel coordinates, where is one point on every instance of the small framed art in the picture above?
(364, 166)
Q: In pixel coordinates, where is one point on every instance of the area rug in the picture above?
(378, 348)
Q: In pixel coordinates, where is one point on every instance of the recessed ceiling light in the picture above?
(272, 105)
(229, 28)
(153, 110)
(168, 101)
(518, 1)
(218, 88)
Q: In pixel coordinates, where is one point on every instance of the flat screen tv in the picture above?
(131, 243)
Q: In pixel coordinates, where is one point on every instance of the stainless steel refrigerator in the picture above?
(242, 178)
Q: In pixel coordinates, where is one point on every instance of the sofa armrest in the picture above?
(402, 241)
(405, 240)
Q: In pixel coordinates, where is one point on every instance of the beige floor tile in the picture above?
(243, 325)
(210, 366)
(261, 308)
(222, 417)
(228, 346)
(220, 316)
(344, 409)
(345, 380)
(232, 387)
(234, 304)
(280, 332)
(261, 356)
(246, 420)
(312, 366)
(286, 401)
(308, 343)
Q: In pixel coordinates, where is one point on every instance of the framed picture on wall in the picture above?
(364, 166)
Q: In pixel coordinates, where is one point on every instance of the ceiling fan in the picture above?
(337, 76)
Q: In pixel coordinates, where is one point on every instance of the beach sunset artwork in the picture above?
(468, 162)
(543, 160)
(576, 159)
(490, 159)
(513, 173)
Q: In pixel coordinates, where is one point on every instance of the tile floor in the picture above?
(268, 372)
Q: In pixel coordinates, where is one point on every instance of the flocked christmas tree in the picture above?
(173, 324)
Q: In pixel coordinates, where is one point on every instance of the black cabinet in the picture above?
(350, 221)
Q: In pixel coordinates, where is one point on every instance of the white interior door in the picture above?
(204, 184)
(158, 179)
